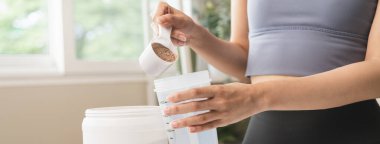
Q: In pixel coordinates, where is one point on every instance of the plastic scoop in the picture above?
(160, 54)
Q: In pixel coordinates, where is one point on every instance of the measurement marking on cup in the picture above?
(163, 102)
(167, 86)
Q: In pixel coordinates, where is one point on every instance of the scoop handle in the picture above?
(164, 32)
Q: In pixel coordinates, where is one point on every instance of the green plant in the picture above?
(215, 15)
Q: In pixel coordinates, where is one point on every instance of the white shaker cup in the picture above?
(160, 54)
(165, 87)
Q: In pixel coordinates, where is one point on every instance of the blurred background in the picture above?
(60, 57)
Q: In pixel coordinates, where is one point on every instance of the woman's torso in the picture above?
(291, 38)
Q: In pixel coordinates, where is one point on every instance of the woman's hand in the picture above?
(182, 24)
(227, 104)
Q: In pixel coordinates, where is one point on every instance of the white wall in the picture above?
(53, 114)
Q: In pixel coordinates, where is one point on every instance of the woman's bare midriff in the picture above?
(264, 78)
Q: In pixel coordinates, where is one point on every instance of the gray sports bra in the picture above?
(305, 37)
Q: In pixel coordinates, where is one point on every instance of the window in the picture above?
(72, 36)
(105, 36)
(108, 30)
(23, 27)
(24, 44)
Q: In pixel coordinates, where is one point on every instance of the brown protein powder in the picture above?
(163, 52)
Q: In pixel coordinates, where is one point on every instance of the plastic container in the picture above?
(167, 86)
(124, 125)
(160, 53)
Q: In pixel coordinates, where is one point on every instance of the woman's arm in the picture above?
(228, 56)
(349, 84)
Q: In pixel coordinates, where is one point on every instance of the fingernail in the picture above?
(182, 38)
(192, 129)
(164, 114)
(181, 43)
(174, 124)
(166, 111)
(169, 98)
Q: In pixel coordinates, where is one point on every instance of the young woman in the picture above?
(313, 65)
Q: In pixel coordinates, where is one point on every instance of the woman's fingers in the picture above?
(189, 107)
(227, 104)
(167, 16)
(206, 126)
(161, 9)
(177, 42)
(171, 20)
(203, 92)
(178, 38)
(179, 35)
(196, 120)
